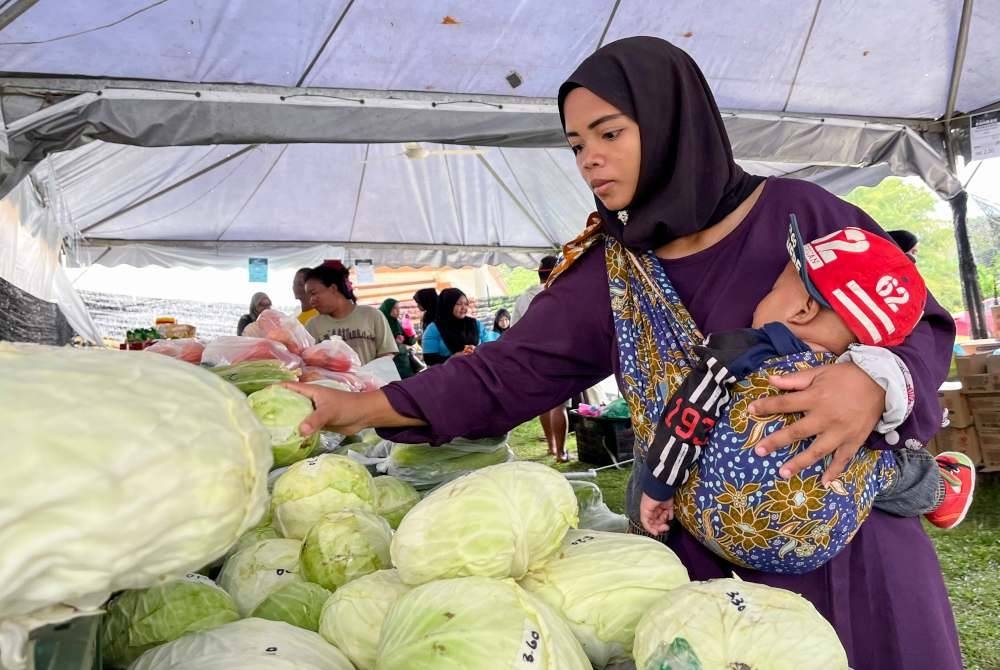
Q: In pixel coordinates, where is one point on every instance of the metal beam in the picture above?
(10, 14)
(272, 244)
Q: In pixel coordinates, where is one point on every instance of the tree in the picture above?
(518, 280)
(900, 205)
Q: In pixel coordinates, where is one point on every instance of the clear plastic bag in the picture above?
(594, 513)
(333, 354)
(189, 350)
(279, 327)
(425, 467)
(357, 380)
(232, 349)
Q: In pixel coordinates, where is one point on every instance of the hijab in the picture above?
(456, 333)
(255, 304)
(426, 299)
(386, 309)
(688, 180)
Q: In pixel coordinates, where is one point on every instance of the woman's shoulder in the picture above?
(817, 211)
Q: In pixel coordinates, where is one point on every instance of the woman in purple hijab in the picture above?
(650, 143)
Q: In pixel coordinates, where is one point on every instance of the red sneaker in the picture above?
(958, 473)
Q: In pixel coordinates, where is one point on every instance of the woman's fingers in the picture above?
(802, 429)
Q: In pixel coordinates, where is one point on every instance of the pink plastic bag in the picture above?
(333, 354)
(189, 350)
(233, 349)
(358, 380)
(274, 325)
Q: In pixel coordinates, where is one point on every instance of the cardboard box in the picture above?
(993, 364)
(979, 346)
(973, 384)
(964, 440)
(953, 401)
(989, 444)
(974, 364)
(983, 402)
(932, 447)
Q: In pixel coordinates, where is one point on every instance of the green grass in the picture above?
(970, 554)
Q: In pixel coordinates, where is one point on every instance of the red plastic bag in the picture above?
(333, 354)
(189, 350)
(358, 380)
(233, 349)
(274, 325)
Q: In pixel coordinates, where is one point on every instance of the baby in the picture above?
(849, 295)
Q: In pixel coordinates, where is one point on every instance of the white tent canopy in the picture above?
(199, 132)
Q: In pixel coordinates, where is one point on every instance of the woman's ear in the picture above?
(808, 310)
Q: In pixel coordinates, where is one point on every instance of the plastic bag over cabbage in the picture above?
(310, 489)
(153, 469)
(594, 514)
(345, 545)
(250, 644)
(473, 622)
(500, 521)
(332, 354)
(281, 411)
(297, 603)
(233, 349)
(424, 467)
(137, 621)
(188, 350)
(278, 327)
(352, 617)
(728, 623)
(252, 376)
(602, 584)
(251, 575)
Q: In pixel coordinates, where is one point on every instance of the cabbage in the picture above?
(474, 622)
(137, 621)
(594, 514)
(297, 603)
(120, 469)
(425, 466)
(250, 575)
(281, 411)
(250, 644)
(500, 521)
(318, 486)
(728, 623)
(352, 618)
(345, 545)
(602, 584)
(252, 376)
(394, 498)
(253, 536)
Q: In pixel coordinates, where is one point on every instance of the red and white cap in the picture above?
(866, 279)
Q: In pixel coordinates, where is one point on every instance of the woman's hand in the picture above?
(655, 515)
(399, 339)
(841, 406)
(347, 413)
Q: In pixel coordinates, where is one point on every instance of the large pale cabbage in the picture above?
(474, 623)
(343, 546)
(602, 584)
(253, 536)
(137, 621)
(297, 603)
(500, 522)
(394, 498)
(252, 574)
(119, 469)
(310, 489)
(281, 411)
(250, 644)
(352, 618)
(728, 623)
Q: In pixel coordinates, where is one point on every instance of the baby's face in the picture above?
(785, 299)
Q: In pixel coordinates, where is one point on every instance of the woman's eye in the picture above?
(576, 148)
(612, 134)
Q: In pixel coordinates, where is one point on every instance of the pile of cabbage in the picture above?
(336, 568)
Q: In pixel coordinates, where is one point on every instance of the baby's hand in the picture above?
(656, 515)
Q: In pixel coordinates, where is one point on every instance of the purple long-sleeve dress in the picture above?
(884, 593)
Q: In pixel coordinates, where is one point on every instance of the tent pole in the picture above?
(8, 16)
(959, 204)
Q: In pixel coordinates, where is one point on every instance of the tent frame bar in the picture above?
(100, 243)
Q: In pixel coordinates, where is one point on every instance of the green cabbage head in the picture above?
(729, 623)
(310, 489)
(136, 621)
(501, 521)
(346, 545)
(281, 411)
(475, 622)
(352, 618)
(602, 583)
(394, 498)
(252, 574)
(297, 603)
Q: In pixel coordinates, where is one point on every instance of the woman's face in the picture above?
(504, 322)
(606, 144)
(394, 312)
(461, 309)
(263, 303)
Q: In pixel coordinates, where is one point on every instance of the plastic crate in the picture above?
(604, 441)
(73, 645)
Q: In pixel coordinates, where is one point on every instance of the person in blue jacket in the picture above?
(453, 332)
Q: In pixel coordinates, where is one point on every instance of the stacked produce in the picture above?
(161, 470)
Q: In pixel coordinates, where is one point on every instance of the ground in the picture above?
(970, 554)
